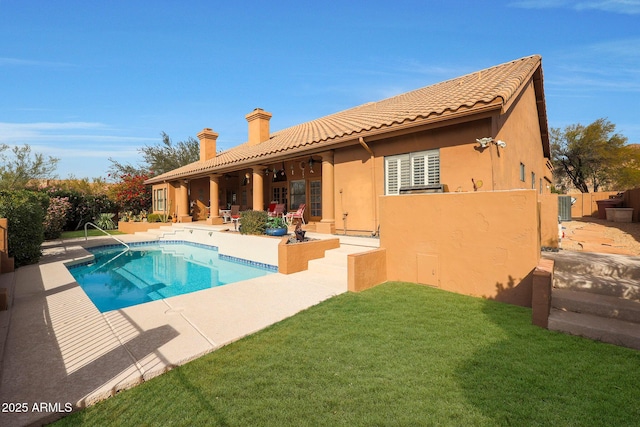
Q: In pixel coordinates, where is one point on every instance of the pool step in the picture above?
(166, 232)
(136, 280)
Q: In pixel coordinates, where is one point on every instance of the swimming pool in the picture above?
(118, 277)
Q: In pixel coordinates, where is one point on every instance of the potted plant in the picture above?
(276, 227)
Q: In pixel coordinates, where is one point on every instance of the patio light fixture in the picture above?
(484, 142)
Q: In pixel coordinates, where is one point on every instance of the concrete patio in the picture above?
(61, 351)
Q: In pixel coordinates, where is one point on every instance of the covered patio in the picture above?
(201, 191)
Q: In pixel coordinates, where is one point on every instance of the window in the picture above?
(315, 197)
(522, 172)
(533, 180)
(279, 193)
(159, 196)
(405, 170)
(298, 194)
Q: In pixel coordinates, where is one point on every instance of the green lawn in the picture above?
(398, 354)
(90, 232)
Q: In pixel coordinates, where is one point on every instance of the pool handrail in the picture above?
(86, 237)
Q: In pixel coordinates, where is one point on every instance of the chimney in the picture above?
(207, 144)
(258, 126)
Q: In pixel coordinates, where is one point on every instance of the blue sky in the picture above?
(84, 81)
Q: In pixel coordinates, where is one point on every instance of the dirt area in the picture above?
(596, 235)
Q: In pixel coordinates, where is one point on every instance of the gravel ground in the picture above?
(624, 235)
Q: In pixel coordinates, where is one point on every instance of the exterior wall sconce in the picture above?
(311, 162)
(484, 142)
(245, 181)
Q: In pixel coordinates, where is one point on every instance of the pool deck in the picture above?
(56, 348)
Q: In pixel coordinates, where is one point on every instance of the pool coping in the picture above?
(60, 349)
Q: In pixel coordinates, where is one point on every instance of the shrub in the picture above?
(56, 217)
(105, 221)
(84, 207)
(253, 222)
(276, 222)
(154, 218)
(25, 212)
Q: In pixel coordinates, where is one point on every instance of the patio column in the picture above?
(258, 188)
(214, 202)
(327, 223)
(183, 202)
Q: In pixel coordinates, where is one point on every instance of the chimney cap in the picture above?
(258, 113)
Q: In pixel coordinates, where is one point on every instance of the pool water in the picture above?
(119, 278)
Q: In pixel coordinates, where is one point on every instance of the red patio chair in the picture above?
(279, 210)
(272, 208)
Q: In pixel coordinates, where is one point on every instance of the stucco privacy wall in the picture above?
(585, 204)
(632, 200)
(482, 244)
(548, 214)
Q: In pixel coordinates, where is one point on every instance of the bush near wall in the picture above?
(253, 222)
(55, 217)
(84, 207)
(25, 212)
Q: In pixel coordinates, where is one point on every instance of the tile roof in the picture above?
(494, 86)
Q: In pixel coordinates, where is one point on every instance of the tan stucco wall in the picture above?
(293, 258)
(481, 243)
(355, 170)
(366, 269)
(520, 129)
(549, 220)
(199, 195)
(355, 189)
(632, 200)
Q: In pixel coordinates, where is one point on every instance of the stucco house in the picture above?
(480, 132)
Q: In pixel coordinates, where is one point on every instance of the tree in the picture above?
(166, 157)
(160, 158)
(587, 155)
(132, 195)
(628, 173)
(22, 167)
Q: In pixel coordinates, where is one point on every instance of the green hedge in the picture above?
(25, 212)
(253, 222)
